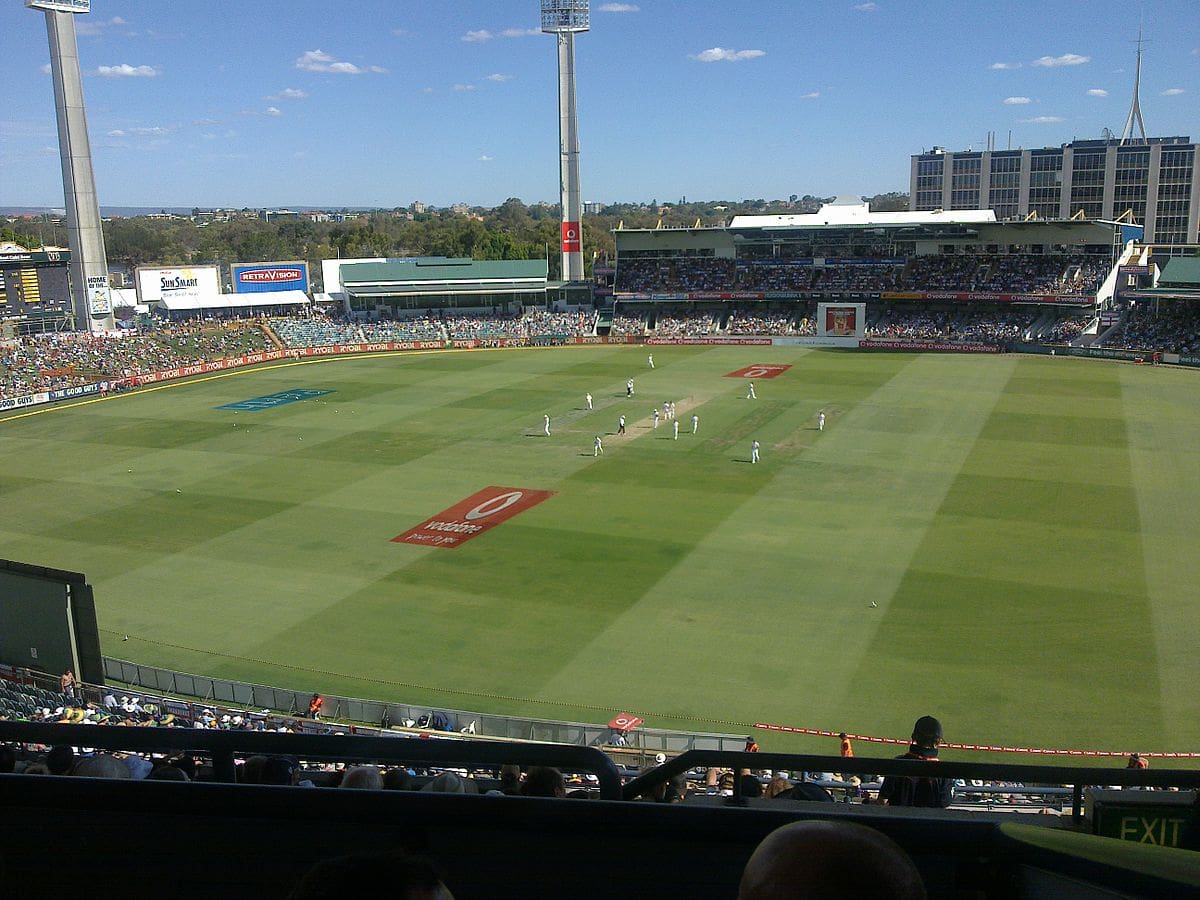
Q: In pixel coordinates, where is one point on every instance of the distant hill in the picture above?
(104, 210)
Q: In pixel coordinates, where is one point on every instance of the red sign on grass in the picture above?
(472, 517)
(760, 372)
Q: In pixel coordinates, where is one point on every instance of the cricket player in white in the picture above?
(751, 395)
(629, 388)
(598, 447)
(656, 417)
(546, 420)
(589, 400)
(621, 425)
(821, 420)
(695, 422)
(754, 452)
(676, 424)
(650, 360)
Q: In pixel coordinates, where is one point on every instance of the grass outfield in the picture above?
(1025, 526)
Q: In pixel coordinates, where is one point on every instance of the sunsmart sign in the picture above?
(472, 517)
(257, 278)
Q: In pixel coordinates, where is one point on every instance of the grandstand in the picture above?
(954, 267)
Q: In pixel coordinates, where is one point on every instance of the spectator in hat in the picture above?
(928, 791)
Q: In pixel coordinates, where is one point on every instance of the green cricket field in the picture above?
(1006, 542)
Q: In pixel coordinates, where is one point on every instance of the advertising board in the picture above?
(256, 278)
(183, 283)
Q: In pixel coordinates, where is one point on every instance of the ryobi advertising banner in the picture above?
(255, 278)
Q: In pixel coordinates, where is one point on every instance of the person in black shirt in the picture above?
(929, 791)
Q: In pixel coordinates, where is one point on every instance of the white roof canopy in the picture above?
(237, 301)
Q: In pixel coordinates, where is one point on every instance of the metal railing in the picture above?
(379, 714)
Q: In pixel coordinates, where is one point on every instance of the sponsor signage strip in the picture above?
(470, 518)
(929, 346)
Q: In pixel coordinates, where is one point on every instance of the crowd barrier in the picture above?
(378, 713)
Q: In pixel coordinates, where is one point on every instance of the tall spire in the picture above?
(1135, 111)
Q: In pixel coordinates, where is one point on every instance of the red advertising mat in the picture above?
(472, 517)
(760, 371)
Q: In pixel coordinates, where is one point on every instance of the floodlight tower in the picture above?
(90, 295)
(565, 18)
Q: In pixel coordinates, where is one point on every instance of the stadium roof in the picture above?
(835, 215)
(439, 275)
(236, 301)
(1180, 272)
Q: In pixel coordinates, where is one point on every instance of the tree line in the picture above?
(512, 230)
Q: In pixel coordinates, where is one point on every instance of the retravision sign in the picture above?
(257, 278)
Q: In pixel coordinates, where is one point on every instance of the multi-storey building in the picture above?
(1156, 180)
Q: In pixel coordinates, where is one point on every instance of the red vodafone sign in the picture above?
(472, 517)
(761, 371)
(572, 237)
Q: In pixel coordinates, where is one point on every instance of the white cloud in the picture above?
(497, 77)
(719, 54)
(116, 132)
(92, 27)
(485, 158)
(1016, 101)
(867, 7)
(483, 35)
(1067, 59)
(320, 61)
(46, 69)
(272, 111)
(289, 94)
(1173, 92)
(998, 67)
(1043, 120)
(1097, 92)
(618, 8)
(124, 70)
(811, 95)
(148, 129)
(462, 88)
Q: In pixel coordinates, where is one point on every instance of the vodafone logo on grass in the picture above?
(472, 517)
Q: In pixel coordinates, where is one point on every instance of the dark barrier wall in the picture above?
(48, 621)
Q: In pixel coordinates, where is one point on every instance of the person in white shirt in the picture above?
(754, 452)
(676, 424)
(546, 423)
(598, 446)
(821, 420)
(650, 360)
(621, 425)
(589, 401)
(695, 422)
(751, 395)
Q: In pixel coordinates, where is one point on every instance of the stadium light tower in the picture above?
(90, 295)
(565, 18)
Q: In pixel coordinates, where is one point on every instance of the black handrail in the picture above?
(224, 746)
(1021, 773)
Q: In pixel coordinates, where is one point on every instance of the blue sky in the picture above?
(382, 102)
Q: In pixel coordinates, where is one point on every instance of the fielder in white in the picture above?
(695, 422)
(821, 420)
(650, 360)
(589, 400)
(598, 446)
(751, 395)
(546, 422)
(676, 424)
(656, 417)
(754, 452)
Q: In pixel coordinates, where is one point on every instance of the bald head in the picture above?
(829, 859)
